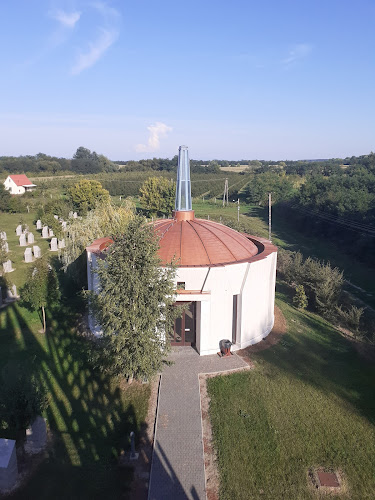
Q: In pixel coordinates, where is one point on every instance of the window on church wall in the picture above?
(180, 285)
(234, 318)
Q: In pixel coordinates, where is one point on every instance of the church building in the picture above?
(227, 278)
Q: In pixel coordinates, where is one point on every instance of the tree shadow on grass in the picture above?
(89, 417)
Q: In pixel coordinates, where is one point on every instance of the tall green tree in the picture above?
(134, 305)
(41, 288)
(86, 195)
(158, 194)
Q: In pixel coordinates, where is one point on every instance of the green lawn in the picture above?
(309, 401)
(89, 416)
(8, 223)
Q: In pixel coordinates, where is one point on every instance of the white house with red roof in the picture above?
(18, 184)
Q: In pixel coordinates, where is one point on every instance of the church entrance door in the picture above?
(184, 327)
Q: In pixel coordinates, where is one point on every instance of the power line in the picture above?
(352, 225)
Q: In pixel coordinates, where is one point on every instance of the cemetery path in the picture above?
(177, 469)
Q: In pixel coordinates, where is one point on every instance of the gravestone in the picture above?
(11, 294)
(7, 266)
(8, 464)
(75, 215)
(50, 233)
(28, 255)
(37, 252)
(54, 245)
(36, 436)
(39, 224)
(26, 230)
(19, 230)
(23, 240)
(70, 215)
(45, 232)
(30, 239)
(5, 246)
(63, 225)
(3, 235)
(62, 243)
(56, 217)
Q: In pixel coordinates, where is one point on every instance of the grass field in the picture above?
(309, 401)
(89, 416)
(8, 223)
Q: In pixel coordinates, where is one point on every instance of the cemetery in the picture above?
(84, 450)
(307, 374)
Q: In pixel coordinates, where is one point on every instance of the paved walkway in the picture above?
(177, 470)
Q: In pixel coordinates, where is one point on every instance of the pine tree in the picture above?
(134, 305)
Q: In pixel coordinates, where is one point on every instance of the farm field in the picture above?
(308, 402)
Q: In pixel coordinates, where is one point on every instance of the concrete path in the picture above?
(177, 469)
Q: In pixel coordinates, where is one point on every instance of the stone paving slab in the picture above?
(177, 470)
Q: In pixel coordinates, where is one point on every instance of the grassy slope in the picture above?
(89, 416)
(8, 223)
(310, 401)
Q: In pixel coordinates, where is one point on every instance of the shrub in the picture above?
(300, 298)
(351, 318)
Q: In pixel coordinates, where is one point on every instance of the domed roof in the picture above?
(201, 243)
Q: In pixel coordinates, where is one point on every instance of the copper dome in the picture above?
(201, 243)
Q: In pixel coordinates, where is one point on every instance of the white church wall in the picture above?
(257, 302)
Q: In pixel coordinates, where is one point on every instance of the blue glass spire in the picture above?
(183, 187)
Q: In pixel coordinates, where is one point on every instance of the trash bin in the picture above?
(225, 346)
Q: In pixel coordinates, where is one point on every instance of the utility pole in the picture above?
(269, 216)
(225, 197)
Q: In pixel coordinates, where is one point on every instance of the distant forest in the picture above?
(328, 198)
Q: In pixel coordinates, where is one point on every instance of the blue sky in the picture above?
(238, 79)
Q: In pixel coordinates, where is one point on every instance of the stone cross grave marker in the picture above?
(54, 245)
(28, 255)
(23, 240)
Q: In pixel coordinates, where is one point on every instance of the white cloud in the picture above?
(66, 19)
(109, 33)
(95, 51)
(157, 132)
(298, 52)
